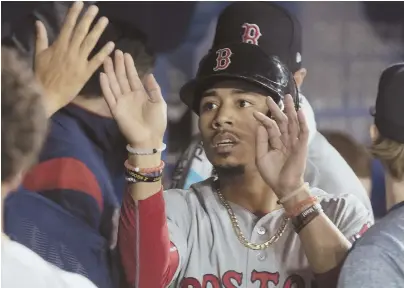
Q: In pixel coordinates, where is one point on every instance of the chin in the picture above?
(225, 160)
(229, 169)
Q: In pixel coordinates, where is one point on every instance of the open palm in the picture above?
(139, 110)
(282, 147)
(64, 67)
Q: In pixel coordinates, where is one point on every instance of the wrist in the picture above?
(151, 144)
(145, 161)
(50, 107)
(303, 195)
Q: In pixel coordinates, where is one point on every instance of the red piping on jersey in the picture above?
(144, 243)
(64, 173)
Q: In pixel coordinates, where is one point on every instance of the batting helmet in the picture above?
(240, 61)
(265, 24)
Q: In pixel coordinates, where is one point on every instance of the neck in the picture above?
(394, 191)
(249, 191)
(96, 105)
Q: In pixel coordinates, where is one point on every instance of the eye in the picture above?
(244, 104)
(208, 106)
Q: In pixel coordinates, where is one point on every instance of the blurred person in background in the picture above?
(354, 153)
(277, 32)
(23, 130)
(368, 169)
(377, 260)
(26, 105)
(79, 169)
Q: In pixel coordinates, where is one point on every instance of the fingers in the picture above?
(131, 72)
(100, 57)
(300, 149)
(42, 41)
(261, 141)
(92, 38)
(69, 24)
(293, 122)
(277, 114)
(113, 82)
(274, 135)
(120, 72)
(153, 89)
(106, 90)
(303, 127)
(82, 28)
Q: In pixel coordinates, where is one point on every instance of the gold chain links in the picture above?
(240, 234)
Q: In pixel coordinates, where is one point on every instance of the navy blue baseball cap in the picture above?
(265, 24)
(388, 112)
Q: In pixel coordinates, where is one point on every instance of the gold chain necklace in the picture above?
(239, 233)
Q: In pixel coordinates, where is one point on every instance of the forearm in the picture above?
(144, 242)
(324, 245)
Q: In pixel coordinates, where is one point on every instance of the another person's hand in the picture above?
(281, 147)
(64, 68)
(138, 108)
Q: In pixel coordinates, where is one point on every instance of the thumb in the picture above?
(42, 42)
(261, 143)
(153, 89)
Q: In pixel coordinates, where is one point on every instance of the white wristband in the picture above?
(134, 151)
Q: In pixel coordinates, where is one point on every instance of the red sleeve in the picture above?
(144, 244)
(64, 173)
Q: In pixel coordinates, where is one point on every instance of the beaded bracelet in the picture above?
(134, 151)
(159, 168)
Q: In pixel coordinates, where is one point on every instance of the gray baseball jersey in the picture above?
(325, 169)
(212, 256)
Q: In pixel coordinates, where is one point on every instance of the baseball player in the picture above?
(85, 145)
(277, 32)
(378, 259)
(61, 69)
(257, 224)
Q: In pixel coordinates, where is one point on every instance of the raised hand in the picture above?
(139, 110)
(64, 68)
(281, 147)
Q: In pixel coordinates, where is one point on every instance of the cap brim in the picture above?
(191, 92)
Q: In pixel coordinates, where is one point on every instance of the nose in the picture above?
(223, 119)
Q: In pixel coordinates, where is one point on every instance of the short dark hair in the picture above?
(354, 153)
(128, 39)
(23, 118)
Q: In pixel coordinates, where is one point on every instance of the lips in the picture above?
(224, 140)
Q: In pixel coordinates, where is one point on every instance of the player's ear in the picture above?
(299, 76)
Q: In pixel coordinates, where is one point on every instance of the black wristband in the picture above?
(306, 217)
(130, 175)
